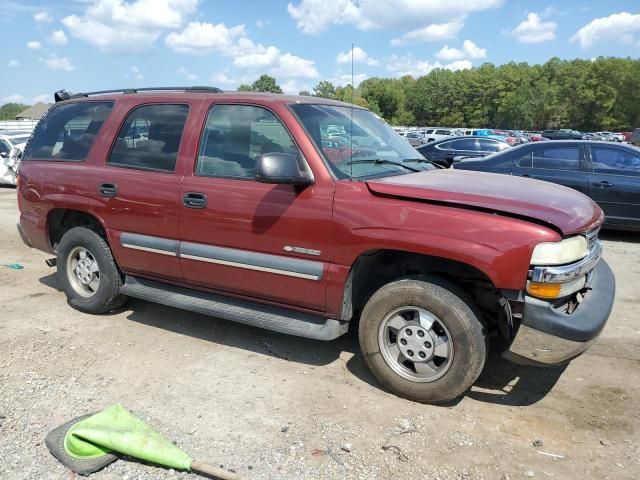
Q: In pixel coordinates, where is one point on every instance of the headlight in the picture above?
(560, 253)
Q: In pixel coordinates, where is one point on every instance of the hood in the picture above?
(567, 210)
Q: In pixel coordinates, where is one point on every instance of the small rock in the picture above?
(619, 465)
(538, 443)
(285, 429)
(529, 473)
(604, 442)
(347, 447)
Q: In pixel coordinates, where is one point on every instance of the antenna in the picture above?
(351, 126)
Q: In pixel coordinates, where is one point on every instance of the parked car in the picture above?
(443, 152)
(607, 172)
(635, 138)
(563, 134)
(435, 134)
(430, 262)
(414, 138)
(12, 145)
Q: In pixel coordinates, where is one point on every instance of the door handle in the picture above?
(194, 200)
(108, 189)
(603, 184)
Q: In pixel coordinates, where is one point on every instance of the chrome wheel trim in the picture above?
(415, 344)
(83, 272)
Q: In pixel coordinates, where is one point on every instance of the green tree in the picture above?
(266, 83)
(324, 89)
(8, 111)
(245, 88)
(304, 93)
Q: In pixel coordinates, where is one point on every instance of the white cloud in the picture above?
(430, 33)
(341, 79)
(44, 98)
(359, 56)
(56, 63)
(15, 98)
(187, 74)
(469, 50)
(293, 87)
(42, 17)
(263, 23)
(199, 38)
(119, 26)
(315, 16)
(136, 73)
(58, 37)
(623, 27)
(13, 63)
(222, 78)
(534, 30)
(33, 45)
(400, 66)
(203, 38)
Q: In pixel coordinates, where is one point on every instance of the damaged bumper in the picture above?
(549, 336)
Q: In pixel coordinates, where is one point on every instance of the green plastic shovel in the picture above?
(89, 443)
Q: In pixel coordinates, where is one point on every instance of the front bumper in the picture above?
(548, 336)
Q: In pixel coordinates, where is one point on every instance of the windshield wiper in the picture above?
(381, 161)
(422, 160)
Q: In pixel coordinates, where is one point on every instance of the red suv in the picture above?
(243, 206)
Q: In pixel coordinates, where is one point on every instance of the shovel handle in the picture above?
(215, 471)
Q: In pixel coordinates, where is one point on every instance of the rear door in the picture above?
(136, 188)
(266, 241)
(615, 183)
(562, 164)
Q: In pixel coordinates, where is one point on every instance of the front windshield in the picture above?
(356, 143)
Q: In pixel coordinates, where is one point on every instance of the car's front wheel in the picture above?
(422, 339)
(88, 273)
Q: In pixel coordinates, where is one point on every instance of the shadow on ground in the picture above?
(501, 382)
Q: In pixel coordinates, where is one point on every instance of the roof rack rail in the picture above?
(66, 95)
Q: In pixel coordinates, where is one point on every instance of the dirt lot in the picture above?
(278, 407)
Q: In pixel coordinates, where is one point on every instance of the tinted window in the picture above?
(443, 132)
(67, 131)
(487, 145)
(4, 147)
(464, 144)
(150, 137)
(524, 161)
(236, 135)
(557, 158)
(444, 146)
(615, 161)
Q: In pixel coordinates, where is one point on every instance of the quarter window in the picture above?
(150, 138)
(524, 161)
(557, 158)
(615, 161)
(236, 135)
(68, 131)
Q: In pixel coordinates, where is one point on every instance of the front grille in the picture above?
(592, 238)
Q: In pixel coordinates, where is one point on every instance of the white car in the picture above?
(435, 134)
(11, 147)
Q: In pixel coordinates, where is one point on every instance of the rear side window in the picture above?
(443, 132)
(487, 145)
(67, 131)
(557, 158)
(465, 144)
(615, 161)
(150, 138)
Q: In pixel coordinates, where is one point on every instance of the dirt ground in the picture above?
(276, 407)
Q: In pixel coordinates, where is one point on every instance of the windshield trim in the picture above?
(318, 148)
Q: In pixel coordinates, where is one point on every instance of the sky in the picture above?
(85, 45)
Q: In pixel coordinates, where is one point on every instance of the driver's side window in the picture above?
(235, 136)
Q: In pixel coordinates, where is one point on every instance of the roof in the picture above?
(230, 96)
(35, 111)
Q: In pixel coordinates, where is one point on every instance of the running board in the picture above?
(241, 311)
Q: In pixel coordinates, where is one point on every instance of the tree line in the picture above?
(586, 95)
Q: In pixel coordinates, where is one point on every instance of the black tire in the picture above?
(107, 296)
(454, 310)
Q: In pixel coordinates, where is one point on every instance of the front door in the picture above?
(615, 183)
(136, 190)
(269, 242)
(562, 164)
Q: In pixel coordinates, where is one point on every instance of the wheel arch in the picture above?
(61, 220)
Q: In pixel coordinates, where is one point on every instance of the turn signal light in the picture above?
(544, 290)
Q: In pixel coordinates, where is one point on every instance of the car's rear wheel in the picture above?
(88, 273)
(422, 339)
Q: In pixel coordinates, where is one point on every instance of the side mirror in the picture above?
(281, 168)
(4, 155)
